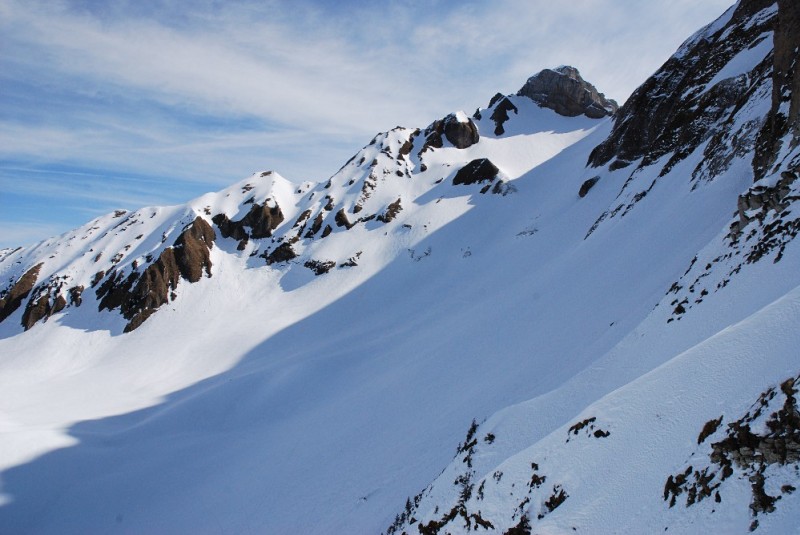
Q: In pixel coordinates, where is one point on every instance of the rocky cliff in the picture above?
(567, 93)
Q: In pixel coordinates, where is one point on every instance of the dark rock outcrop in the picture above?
(316, 225)
(75, 293)
(476, 171)
(262, 220)
(787, 44)
(586, 186)
(138, 296)
(42, 308)
(565, 92)
(320, 267)
(500, 115)
(758, 201)
(283, 253)
(785, 89)
(460, 133)
(192, 250)
(48, 299)
(391, 212)
(12, 298)
(674, 111)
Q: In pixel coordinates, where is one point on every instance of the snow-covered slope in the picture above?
(280, 357)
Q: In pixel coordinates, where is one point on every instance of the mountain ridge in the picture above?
(584, 324)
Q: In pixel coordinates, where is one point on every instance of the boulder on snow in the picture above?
(565, 92)
(476, 171)
(586, 186)
(457, 128)
(460, 130)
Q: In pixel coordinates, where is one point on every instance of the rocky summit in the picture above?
(567, 93)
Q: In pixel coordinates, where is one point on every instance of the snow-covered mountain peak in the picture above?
(135, 261)
(616, 338)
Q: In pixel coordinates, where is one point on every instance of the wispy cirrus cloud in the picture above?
(150, 100)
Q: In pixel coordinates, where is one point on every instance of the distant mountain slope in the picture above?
(565, 294)
(688, 126)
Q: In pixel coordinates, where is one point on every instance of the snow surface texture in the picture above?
(324, 392)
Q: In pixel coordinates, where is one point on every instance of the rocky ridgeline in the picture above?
(685, 110)
(562, 90)
(13, 296)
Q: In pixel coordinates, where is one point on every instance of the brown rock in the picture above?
(461, 134)
(564, 91)
(283, 253)
(316, 225)
(12, 298)
(500, 114)
(192, 250)
(391, 212)
(476, 171)
(785, 88)
(586, 186)
(341, 220)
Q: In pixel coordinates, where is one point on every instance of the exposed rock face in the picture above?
(476, 171)
(192, 250)
(391, 212)
(586, 186)
(12, 298)
(460, 130)
(500, 114)
(784, 116)
(341, 220)
(674, 111)
(261, 220)
(283, 253)
(42, 308)
(138, 297)
(316, 225)
(787, 44)
(759, 201)
(75, 295)
(48, 299)
(320, 267)
(565, 92)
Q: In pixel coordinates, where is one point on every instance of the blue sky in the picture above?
(121, 104)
